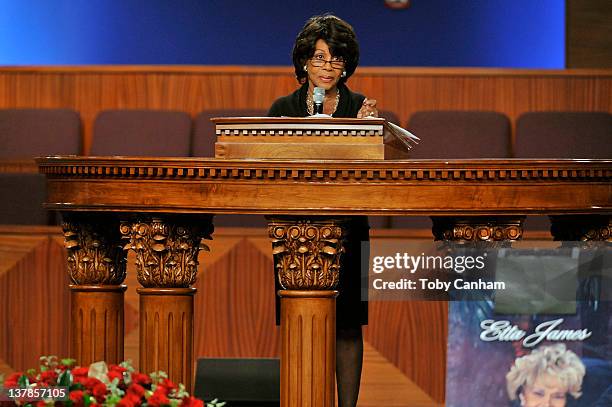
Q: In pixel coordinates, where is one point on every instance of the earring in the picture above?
(343, 74)
(305, 68)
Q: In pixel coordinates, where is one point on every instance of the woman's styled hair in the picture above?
(339, 36)
(553, 360)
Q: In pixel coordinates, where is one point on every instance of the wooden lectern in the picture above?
(162, 207)
(311, 138)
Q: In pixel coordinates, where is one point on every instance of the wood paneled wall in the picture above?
(401, 90)
(588, 34)
(34, 297)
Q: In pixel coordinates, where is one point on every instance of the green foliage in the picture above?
(157, 377)
(23, 381)
(65, 378)
(114, 389)
(181, 392)
(112, 400)
(48, 363)
(68, 362)
(128, 365)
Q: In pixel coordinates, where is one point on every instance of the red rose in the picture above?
(76, 396)
(192, 402)
(162, 389)
(158, 398)
(136, 390)
(126, 402)
(80, 371)
(112, 375)
(137, 399)
(116, 371)
(169, 385)
(79, 374)
(117, 368)
(141, 379)
(48, 377)
(13, 380)
(90, 382)
(99, 392)
(134, 398)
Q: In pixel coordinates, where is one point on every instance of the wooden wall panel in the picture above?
(34, 299)
(235, 303)
(402, 90)
(412, 336)
(588, 34)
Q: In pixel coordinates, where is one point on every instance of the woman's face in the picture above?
(327, 74)
(546, 391)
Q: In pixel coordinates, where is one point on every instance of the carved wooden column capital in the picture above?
(307, 252)
(582, 228)
(478, 229)
(167, 249)
(95, 253)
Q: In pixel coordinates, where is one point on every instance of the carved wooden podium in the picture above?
(162, 207)
(312, 138)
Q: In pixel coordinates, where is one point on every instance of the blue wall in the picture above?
(486, 33)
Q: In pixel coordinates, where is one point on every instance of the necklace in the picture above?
(310, 102)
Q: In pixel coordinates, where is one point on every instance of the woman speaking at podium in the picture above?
(325, 55)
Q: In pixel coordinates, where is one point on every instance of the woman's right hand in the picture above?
(368, 109)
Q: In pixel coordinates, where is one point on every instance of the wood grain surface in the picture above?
(410, 187)
(588, 34)
(34, 297)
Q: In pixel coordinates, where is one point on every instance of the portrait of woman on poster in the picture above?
(325, 55)
(550, 376)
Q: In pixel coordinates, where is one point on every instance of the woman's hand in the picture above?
(368, 109)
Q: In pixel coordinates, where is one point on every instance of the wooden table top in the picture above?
(330, 187)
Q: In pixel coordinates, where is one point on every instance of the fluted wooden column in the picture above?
(97, 323)
(167, 265)
(166, 332)
(308, 347)
(96, 264)
(307, 261)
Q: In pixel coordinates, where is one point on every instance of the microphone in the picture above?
(318, 95)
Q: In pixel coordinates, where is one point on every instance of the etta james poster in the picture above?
(529, 360)
(546, 341)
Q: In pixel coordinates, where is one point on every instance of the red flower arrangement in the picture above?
(100, 384)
